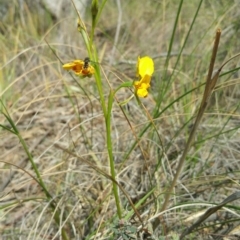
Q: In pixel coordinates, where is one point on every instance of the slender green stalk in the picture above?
(110, 153)
(169, 55)
(94, 11)
(15, 131)
(100, 11)
(107, 114)
(173, 34)
(92, 52)
(98, 79)
(185, 41)
(230, 71)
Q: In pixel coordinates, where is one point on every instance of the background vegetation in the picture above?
(60, 119)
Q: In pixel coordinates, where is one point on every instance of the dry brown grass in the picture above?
(50, 109)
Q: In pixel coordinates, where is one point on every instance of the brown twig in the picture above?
(210, 84)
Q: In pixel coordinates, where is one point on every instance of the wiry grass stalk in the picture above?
(185, 40)
(210, 84)
(39, 180)
(160, 96)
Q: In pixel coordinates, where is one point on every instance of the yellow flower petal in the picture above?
(145, 69)
(78, 66)
(142, 86)
(68, 66)
(142, 92)
(145, 66)
(146, 80)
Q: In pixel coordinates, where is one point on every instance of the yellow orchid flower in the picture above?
(81, 68)
(145, 69)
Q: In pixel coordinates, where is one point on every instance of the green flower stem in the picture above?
(110, 153)
(107, 115)
(92, 52)
(97, 76)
